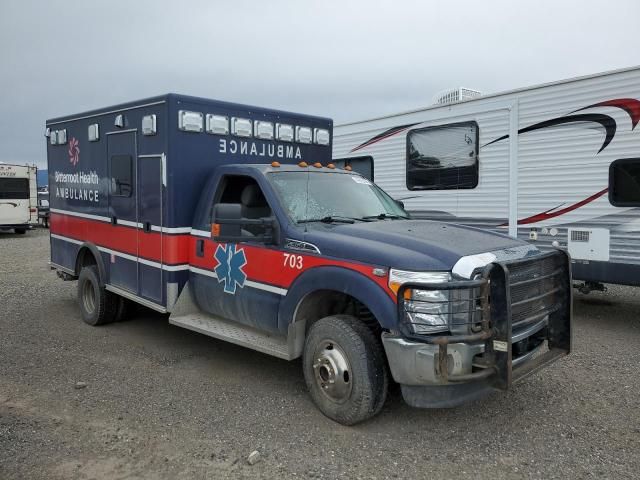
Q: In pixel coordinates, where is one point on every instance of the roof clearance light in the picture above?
(149, 125)
(189, 121)
(317, 165)
(241, 127)
(321, 136)
(284, 132)
(303, 164)
(93, 132)
(275, 164)
(263, 129)
(53, 137)
(331, 165)
(348, 168)
(217, 124)
(303, 135)
(62, 137)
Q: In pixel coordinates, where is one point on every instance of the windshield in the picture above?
(314, 196)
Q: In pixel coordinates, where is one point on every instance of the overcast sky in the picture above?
(348, 60)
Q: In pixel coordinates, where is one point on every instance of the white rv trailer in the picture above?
(557, 164)
(18, 197)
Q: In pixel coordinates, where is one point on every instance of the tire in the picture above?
(339, 344)
(20, 231)
(125, 310)
(98, 306)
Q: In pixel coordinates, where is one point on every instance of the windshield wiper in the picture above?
(382, 216)
(332, 219)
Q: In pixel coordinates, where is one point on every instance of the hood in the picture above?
(418, 245)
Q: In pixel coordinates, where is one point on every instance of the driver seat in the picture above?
(254, 206)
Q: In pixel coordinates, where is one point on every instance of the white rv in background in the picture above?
(18, 197)
(557, 164)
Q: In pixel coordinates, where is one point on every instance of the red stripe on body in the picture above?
(264, 265)
(168, 249)
(267, 265)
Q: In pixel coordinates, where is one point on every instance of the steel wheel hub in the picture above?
(89, 297)
(332, 371)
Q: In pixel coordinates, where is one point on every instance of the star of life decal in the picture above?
(230, 267)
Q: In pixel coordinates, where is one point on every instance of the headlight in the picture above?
(433, 311)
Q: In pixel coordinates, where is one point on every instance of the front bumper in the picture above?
(447, 370)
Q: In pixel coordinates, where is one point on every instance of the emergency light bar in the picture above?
(321, 136)
(217, 124)
(190, 121)
(284, 132)
(303, 135)
(263, 129)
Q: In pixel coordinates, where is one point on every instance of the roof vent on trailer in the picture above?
(455, 95)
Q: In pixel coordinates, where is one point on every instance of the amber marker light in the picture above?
(317, 165)
(348, 168)
(331, 165)
(215, 230)
(275, 164)
(303, 164)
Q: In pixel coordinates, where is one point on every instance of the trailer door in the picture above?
(150, 236)
(122, 154)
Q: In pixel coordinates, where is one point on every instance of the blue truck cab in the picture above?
(234, 221)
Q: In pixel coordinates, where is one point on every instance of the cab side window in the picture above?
(245, 191)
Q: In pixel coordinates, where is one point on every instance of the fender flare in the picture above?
(343, 280)
(99, 262)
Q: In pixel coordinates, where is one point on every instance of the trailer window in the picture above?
(14, 188)
(361, 165)
(443, 157)
(121, 175)
(624, 182)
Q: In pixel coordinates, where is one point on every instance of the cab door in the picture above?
(123, 243)
(232, 284)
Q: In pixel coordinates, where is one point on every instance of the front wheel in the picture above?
(345, 369)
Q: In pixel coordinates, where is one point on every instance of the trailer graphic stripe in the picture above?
(552, 212)
(629, 105)
(608, 123)
(381, 136)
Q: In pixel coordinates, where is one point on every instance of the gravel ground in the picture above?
(162, 402)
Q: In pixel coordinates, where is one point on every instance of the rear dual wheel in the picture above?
(345, 369)
(98, 305)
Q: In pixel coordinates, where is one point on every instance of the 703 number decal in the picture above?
(293, 261)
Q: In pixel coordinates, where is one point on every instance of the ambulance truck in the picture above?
(233, 220)
(18, 197)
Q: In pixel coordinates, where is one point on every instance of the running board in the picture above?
(187, 315)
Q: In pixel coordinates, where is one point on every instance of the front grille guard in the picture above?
(496, 324)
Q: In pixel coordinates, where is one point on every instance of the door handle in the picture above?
(200, 248)
(146, 227)
(114, 220)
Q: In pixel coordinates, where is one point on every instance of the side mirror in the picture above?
(401, 203)
(227, 225)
